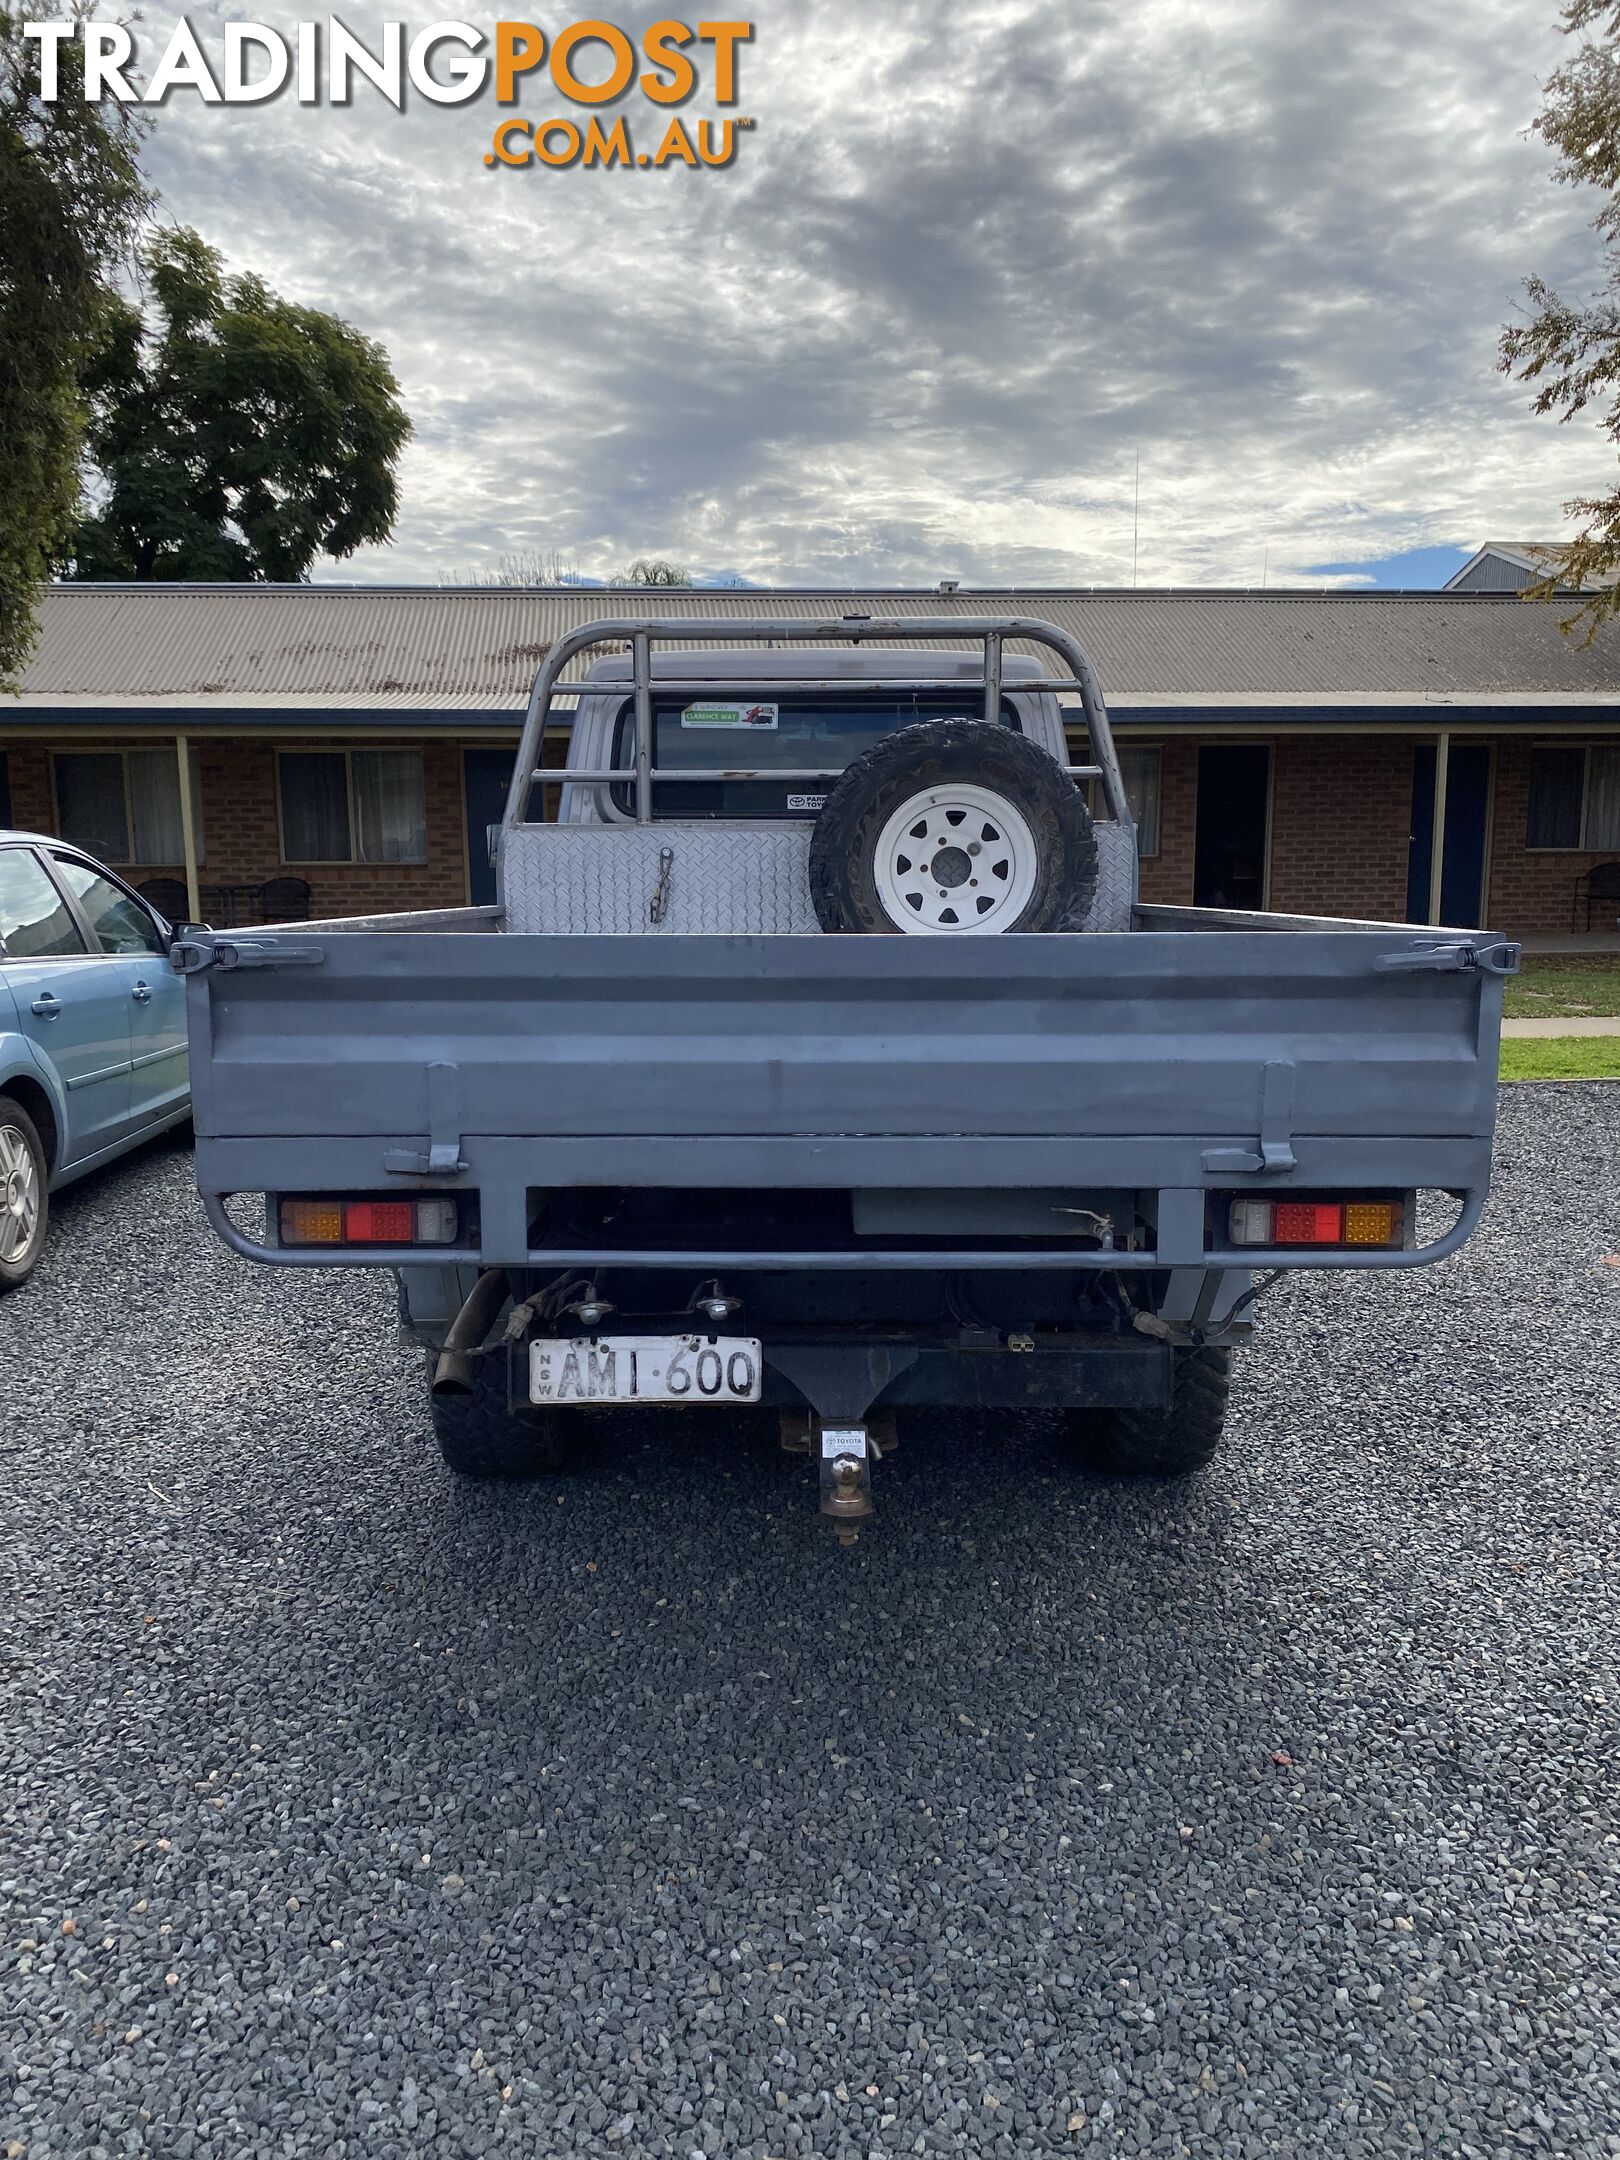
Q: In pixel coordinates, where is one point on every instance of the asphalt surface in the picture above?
(346, 1812)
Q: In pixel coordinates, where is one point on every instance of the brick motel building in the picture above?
(1283, 749)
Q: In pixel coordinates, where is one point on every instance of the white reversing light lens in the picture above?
(435, 1222)
(1251, 1222)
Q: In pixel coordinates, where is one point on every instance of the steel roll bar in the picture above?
(989, 632)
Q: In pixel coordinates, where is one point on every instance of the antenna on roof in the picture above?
(1136, 516)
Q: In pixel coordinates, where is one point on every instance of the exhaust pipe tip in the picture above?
(453, 1373)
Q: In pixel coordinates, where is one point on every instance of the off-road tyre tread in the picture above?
(12, 1112)
(985, 754)
(1164, 1443)
(480, 1436)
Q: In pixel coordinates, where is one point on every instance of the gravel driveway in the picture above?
(347, 1812)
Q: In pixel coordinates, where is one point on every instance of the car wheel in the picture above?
(953, 827)
(24, 1200)
(1162, 1443)
(481, 1436)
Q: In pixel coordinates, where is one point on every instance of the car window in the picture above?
(119, 921)
(35, 922)
(756, 730)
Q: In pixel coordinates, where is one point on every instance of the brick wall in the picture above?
(241, 843)
(31, 806)
(1341, 810)
(1168, 876)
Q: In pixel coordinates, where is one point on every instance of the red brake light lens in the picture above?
(1309, 1222)
(379, 1222)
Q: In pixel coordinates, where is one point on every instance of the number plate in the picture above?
(646, 1368)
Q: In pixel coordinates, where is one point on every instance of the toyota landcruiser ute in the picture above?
(818, 1052)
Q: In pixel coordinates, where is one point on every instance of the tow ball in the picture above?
(844, 1457)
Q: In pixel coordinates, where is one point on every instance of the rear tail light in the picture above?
(1317, 1223)
(368, 1222)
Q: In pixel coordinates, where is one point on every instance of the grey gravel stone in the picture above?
(348, 1812)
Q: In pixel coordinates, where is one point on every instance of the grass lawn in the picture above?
(1562, 1057)
(1556, 985)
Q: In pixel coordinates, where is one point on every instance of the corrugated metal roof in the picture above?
(212, 648)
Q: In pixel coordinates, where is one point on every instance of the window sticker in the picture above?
(729, 716)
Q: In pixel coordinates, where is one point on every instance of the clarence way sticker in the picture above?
(737, 716)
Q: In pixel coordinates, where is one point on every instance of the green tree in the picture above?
(1571, 353)
(235, 436)
(71, 204)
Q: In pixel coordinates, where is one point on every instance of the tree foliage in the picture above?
(1570, 353)
(526, 566)
(653, 570)
(71, 203)
(235, 435)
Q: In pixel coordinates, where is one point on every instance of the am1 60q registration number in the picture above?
(646, 1368)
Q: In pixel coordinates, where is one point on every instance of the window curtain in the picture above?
(314, 806)
(90, 802)
(154, 807)
(1554, 819)
(1140, 772)
(1603, 800)
(389, 808)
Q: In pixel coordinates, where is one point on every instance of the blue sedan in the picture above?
(92, 1031)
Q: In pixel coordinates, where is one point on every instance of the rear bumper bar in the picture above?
(868, 1259)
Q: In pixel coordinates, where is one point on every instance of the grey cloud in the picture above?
(973, 260)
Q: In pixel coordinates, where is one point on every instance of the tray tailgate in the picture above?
(1064, 1036)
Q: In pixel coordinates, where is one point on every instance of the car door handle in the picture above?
(47, 1006)
(141, 994)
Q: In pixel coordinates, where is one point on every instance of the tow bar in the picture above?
(844, 1458)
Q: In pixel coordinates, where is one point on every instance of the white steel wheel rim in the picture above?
(955, 860)
(19, 1195)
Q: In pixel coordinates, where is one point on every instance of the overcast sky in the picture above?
(972, 262)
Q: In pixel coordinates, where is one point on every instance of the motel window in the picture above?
(1140, 772)
(1574, 799)
(359, 806)
(5, 790)
(124, 805)
(1603, 799)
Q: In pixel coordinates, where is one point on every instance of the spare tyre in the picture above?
(953, 827)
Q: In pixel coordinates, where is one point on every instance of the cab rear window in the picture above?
(761, 732)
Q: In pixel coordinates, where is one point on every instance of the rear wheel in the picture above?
(1162, 1443)
(481, 1436)
(24, 1203)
